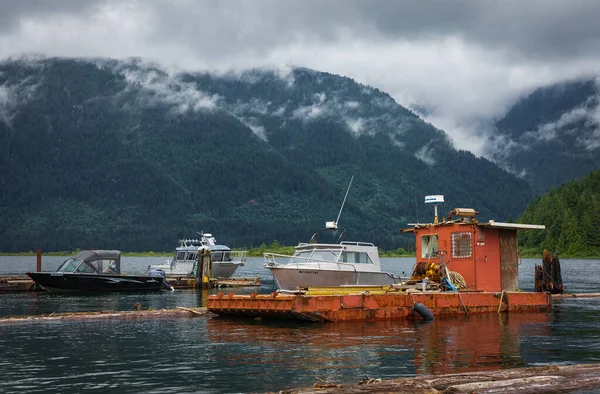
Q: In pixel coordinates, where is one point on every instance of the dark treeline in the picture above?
(571, 215)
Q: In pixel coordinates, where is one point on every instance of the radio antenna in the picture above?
(343, 202)
(416, 209)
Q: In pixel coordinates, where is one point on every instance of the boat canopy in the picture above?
(90, 261)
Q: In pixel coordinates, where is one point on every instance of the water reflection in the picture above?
(476, 343)
(479, 342)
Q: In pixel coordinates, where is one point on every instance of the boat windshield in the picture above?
(69, 265)
(317, 254)
(88, 267)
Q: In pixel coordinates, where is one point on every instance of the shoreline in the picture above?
(383, 255)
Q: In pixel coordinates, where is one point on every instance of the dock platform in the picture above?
(368, 306)
(22, 283)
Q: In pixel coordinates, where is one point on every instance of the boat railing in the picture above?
(271, 260)
(357, 243)
(238, 255)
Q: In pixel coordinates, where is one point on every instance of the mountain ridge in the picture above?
(552, 135)
(113, 154)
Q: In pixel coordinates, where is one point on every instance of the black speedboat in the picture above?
(97, 271)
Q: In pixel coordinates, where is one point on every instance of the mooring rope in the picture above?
(501, 298)
(463, 304)
(457, 280)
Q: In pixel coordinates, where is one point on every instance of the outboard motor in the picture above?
(158, 273)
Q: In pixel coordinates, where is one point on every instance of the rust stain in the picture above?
(376, 306)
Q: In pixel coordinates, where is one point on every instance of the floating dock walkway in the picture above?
(22, 283)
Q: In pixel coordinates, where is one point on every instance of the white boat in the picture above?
(224, 260)
(320, 264)
(329, 265)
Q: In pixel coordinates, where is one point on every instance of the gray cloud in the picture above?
(13, 12)
(465, 61)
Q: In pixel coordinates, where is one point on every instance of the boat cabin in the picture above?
(188, 251)
(485, 254)
(348, 252)
(93, 261)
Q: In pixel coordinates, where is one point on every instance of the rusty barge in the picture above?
(463, 266)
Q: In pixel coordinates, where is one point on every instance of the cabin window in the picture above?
(217, 256)
(190, 256)
(180, 256)
(325, 255)
(348, 257)
(462, 245)
(226, 256)
(355, 258)
(429, 246)
(481, 235)
(364, 258)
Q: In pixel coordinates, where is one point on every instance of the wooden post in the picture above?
(204, 271)
(548, 276)
(38, 265)
(207, 270)
(198, 280)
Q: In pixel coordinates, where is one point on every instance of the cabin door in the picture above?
(509, 262)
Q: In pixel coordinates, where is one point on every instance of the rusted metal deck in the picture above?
(366, 306)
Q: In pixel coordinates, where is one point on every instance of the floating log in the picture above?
(11, 284)
(127, 315)
(548, 379)
(575, 295)
(201, 312)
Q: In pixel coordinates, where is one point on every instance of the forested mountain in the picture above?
(551, 136)
(571, 214)
(110, 154)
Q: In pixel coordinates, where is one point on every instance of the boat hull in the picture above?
(60, 282)
(292, 279)
(180, 269)
(223, 269)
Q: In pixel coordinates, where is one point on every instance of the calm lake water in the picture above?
(229, 355)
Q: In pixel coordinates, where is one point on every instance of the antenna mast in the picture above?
(435, 200)
(333, 225)
(417, 209)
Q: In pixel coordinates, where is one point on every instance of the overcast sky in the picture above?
(466, 61)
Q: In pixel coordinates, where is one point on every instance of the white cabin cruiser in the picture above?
(320, 264)
(224, 260)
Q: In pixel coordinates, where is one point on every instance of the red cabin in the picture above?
(485, 254)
